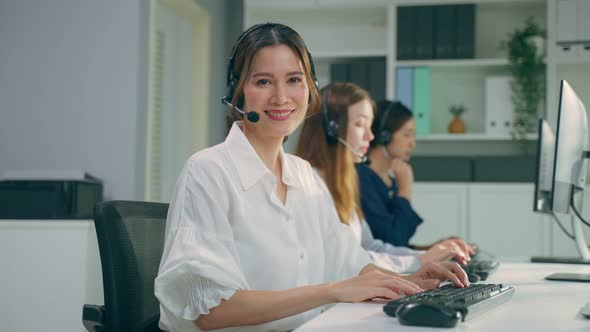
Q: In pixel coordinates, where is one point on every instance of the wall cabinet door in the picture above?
(501, 220)
(443, 208)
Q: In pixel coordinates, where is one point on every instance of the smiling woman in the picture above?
(239, 251)
(277, 90)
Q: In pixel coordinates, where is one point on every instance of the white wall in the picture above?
(68, 86)
(227, 20)
(71, 89)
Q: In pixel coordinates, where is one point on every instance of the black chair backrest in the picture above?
(130, 240)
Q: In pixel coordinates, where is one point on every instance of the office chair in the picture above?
(130, 240)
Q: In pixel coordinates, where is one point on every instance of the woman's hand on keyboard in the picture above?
(372, 283)
(443, 252)
(432, 274)
(468, 249)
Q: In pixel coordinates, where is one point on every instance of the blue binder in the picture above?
(404, 86)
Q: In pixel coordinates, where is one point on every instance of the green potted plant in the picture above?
(457, 126)
(527, 68)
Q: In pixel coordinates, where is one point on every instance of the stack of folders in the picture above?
(413, 90)
(436, 32)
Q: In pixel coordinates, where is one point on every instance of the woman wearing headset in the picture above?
(249, 241)
(333, 140)
(386, 184)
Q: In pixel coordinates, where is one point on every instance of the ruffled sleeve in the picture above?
(200, 265)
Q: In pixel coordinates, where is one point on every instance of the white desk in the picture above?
(537, 305)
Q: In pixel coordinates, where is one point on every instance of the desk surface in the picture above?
(537, 305)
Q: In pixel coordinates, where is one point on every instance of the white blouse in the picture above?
(227, 230)
(385, 255)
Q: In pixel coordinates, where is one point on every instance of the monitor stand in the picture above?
(580, 245)
(559, 260)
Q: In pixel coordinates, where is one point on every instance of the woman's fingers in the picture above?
(397, 284)
(450, 271)
(374, 284)
(386, 293)
(452, 252)
(458, 254)
(404, 286)
(463, 247)
(458, 271)
(428, 283)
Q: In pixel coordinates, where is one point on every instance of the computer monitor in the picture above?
(545, 162)
(569, 177)
(568, 170)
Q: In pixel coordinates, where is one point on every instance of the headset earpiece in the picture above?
(330, 125)
(383, 135)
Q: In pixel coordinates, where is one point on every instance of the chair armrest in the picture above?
(93, 317)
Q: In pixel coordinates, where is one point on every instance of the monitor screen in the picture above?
(566, 167)
(570, 145)
(545, 161)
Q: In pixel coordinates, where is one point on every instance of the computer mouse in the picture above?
(427, 314)
(586, 310)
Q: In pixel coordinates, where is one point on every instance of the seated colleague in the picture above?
(250, 238)
(333, 140)
(386, 184)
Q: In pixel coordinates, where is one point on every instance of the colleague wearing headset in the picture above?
(251, 240)
(386, 184)
(333, 140)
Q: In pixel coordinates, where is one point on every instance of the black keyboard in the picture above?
(447, 305)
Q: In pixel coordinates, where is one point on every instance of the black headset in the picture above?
(330, 125)
(232, 80)
(382, 133)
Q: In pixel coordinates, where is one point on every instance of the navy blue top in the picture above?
(390, 217)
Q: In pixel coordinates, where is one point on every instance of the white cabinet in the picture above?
(497, 216)
(444, 210)
(50, 269)
(501, 220)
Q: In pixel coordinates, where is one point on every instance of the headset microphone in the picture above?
(251, 116)
(364, 159)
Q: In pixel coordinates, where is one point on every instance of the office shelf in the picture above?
(454, 63)
(336, 31)
(470, 137)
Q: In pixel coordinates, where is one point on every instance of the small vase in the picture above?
(457, 126)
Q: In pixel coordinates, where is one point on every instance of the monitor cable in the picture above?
(576, 210)
(568, 234)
